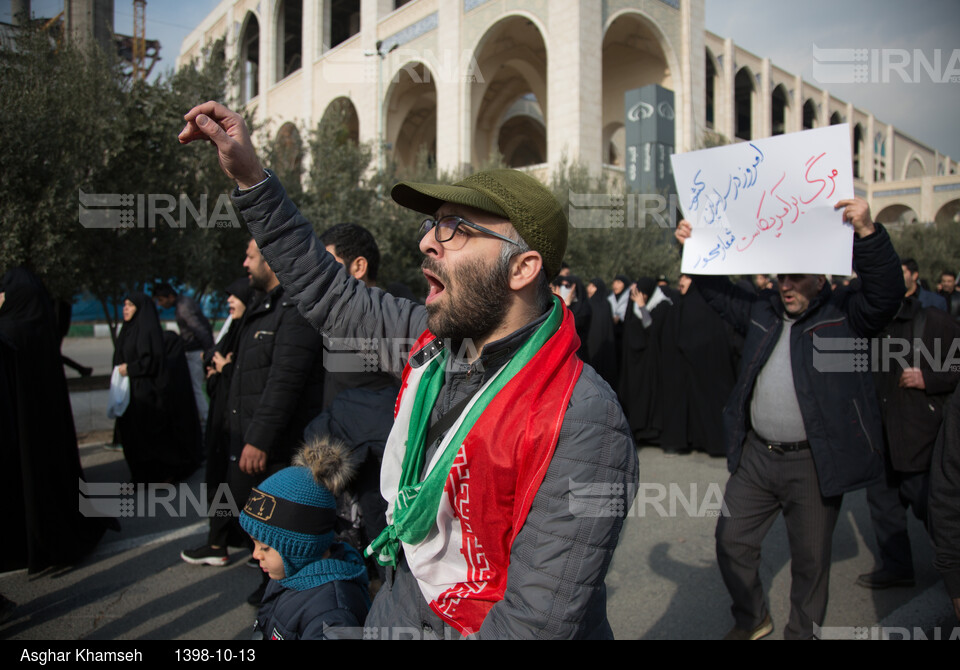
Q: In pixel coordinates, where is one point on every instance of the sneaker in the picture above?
(206, 555)
(764, 629)
(882, 579)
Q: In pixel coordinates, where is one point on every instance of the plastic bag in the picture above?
(119, 394)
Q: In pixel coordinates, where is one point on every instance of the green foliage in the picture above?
(72, 122)
(604, 246)
(935, 247)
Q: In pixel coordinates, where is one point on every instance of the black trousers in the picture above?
(766, 483)
(888, 501)
(225, 530)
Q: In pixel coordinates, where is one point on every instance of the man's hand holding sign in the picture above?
(770, 205)
(798, 436)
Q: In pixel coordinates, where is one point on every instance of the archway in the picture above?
(512, 56)
(411, 115)
(948, 214)
(634, 55)
(894, 215)
(249, 58)
(778, 110)
(744, 91)
(289, 37)
(342, 111)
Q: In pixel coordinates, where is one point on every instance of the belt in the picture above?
(785, 447)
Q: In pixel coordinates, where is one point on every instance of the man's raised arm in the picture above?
(334, 303)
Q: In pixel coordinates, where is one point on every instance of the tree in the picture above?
(72, 126)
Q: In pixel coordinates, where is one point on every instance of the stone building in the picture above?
(537, 80)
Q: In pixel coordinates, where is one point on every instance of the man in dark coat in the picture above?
(276, 388)
(799, 434)
(912, 390)
(944, 492)
(948, 291)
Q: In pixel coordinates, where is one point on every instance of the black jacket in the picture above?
(912, 417)
(334, 611)
(839, 407)
(277, 384)
(944, 513)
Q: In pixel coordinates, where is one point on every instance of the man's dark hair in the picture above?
(351, 242)
(911, 265)
(163, 290)
(948, 273)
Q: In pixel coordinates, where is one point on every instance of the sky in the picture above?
(783, 30)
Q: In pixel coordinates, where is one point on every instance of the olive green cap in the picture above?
(516, 196)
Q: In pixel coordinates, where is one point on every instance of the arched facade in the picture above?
(288, 24)
(894, 215)
(249, 58)
(949, 214)
(411, 114)
(712, 85)
(515, 52)
(745, 94)
(810, 119)
(779, 110)
(536, 81)
(635, 54)
(342, 110)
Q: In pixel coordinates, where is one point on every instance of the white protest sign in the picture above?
(767, 206)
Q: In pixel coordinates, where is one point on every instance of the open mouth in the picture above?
(436, 286)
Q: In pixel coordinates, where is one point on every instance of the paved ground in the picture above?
(663, 584)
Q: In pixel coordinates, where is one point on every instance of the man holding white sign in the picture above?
(799, 434)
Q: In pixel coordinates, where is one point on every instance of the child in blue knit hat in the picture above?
(318, 587)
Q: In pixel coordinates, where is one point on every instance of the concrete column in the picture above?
(796, 105)
(890, 159)
(727, 102)
(452, 131)
(231, 50)
(691, 114)
(824, 119)
(868, 155)
(927, 211)
(574, 105)
(365, 96)
(766, 100)
(309, 48)
(268, 61)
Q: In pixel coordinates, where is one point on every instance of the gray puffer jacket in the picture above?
(559, 560)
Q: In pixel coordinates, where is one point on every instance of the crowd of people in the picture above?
(428, 487)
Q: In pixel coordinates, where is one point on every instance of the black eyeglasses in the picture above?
(445, 228)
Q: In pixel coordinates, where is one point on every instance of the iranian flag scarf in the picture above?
(457, 523)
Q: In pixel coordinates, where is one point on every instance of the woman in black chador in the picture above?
(160, 430)
(41, 469)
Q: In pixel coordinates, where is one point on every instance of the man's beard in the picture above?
(258, 283)
(476, 302)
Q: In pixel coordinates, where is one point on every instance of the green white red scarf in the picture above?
(457, 523)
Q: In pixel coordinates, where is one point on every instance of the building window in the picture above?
(289, 38)
(343, 20)
(250, 60)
